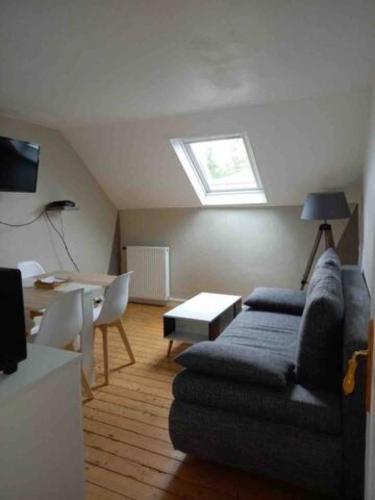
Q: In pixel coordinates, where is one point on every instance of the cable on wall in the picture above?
(25, 223)
(59, 233)
(61, 236)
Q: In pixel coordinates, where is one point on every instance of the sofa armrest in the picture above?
(240, 363)
(282, 300)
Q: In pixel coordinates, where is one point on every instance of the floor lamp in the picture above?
(324, 207)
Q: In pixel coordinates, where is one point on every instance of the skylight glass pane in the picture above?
(224, 164)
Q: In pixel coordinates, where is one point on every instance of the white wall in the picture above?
(62, 175)
(300, 146)
(226, 250)
(368, 254)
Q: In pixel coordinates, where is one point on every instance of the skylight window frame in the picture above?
(208, 196)
(199, 169)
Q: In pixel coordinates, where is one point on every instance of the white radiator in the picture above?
(150, 280)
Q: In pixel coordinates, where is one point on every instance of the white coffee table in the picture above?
(203, 317)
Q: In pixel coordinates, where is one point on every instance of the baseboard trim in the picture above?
(151, 302)
(172, 302)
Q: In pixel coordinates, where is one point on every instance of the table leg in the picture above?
(169, 348)
(87, 347)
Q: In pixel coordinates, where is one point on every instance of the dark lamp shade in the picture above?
(325, 206)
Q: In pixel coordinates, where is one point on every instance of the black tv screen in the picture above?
(19, 162)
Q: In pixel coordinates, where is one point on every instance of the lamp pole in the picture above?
(325, 229)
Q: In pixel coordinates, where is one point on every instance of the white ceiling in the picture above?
(84, 61)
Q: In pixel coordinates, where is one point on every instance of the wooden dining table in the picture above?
(92, 284)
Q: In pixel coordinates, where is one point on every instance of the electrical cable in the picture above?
(62, 225)
(25, 223)
(61, 236)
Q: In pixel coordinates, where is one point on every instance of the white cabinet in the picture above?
(41, 436)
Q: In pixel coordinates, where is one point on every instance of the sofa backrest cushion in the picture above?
(329, 257)
(319, 352)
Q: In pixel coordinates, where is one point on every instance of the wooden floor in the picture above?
(128, 450)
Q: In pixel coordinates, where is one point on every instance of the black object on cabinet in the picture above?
(12, 318)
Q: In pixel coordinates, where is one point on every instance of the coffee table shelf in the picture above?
(188, 337)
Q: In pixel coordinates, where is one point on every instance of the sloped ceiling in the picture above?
(300, 146)
(121, 77)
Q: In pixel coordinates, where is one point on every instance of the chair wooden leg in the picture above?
(86, 385)
(105, 354)
(34, 314)
(125, 340)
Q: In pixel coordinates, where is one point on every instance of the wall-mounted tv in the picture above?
(19, 162)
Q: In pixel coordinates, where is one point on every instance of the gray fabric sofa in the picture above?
(284, 428)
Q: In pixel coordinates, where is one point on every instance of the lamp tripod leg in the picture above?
(328, 236)
(311, 258)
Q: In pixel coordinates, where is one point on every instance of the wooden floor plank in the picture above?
(149, 366)
(196, 473)
(123, 422)
(125, 485)
(94, 492)
(127, 436)
(152, 477)
(122, 402)
(136, 396)
(142, 386)
(150, 373)
(130, 413)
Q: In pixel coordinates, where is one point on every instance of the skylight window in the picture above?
(221, 169)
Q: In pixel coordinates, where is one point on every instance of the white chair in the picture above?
(29, 324)
(60, 326)
(109, 313)
(30, 268)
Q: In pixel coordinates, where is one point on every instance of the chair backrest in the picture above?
(62, 321)
(115, 300)
(30, 268)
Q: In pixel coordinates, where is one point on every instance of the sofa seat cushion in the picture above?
(295, 405)
(277, 333)
(235, 362)
(282, 300)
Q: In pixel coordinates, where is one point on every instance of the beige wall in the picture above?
(227, 250)
(89, 231)
(368, 261)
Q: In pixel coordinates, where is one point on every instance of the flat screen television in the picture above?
(19, 161)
